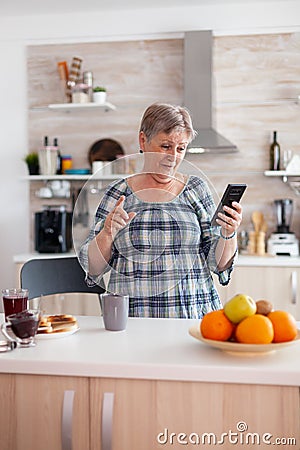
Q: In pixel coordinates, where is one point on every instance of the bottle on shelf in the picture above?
(87, 78)
(274, 153)
(59, 169)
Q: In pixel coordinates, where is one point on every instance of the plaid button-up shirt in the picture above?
(164, 258)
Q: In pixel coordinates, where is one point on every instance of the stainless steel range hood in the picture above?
(198, 93)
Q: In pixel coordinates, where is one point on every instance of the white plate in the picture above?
(235, 347)
(55, 335)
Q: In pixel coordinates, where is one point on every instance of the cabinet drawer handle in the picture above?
(67, 417)
(294, 283)
(107, 420)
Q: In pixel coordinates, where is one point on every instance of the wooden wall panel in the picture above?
(256, 79)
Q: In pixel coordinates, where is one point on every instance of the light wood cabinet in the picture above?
(280, 285)
(134, 413)
(36, 413)
(40, 412)
(153, 414)
(8, 425)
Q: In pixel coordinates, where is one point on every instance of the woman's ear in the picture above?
(142, 140)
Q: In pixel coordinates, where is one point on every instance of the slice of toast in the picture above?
(57, 323)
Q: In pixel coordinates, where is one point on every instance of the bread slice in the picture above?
(44, 322)
(61, 319)
(64, 328)
(57, 323)
(45, 329)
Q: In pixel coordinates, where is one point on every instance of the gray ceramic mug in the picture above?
(115, 311)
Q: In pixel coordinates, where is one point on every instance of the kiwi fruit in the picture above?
(264, 307)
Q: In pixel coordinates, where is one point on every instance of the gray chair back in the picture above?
(55, 276)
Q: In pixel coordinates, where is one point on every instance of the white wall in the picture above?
(16, 33)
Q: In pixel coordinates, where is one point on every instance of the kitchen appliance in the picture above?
(283, 241)
(53, 230)
(198, 93)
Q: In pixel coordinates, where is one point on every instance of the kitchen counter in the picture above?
(21, 258)
(268, 261)
(242, 260)
(157, 349)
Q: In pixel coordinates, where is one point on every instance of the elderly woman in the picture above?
(152, 230)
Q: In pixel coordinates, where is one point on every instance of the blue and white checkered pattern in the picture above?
(164, 257)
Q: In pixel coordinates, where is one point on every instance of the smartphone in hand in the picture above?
(233, 193)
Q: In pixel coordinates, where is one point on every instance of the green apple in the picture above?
(239, 307)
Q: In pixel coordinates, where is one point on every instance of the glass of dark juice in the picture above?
(14, 300)
(22, 327)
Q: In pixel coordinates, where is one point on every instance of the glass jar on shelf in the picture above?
(66, 163)
(80, 93)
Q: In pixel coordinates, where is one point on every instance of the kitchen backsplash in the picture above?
(256, 84)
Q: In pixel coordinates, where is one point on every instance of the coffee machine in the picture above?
(53, 230)
(283, 241)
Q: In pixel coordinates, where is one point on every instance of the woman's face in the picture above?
(164, 153)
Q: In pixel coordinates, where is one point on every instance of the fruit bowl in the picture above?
(239, 349)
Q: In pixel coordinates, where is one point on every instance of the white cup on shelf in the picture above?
(101, 168)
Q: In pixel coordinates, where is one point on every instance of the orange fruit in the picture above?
(256, 329)
(284, 324)
(215, 325)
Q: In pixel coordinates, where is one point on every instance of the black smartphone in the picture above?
(233, 193)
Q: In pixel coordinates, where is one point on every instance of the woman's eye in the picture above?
(168, 147)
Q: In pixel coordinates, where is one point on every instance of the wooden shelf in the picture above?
(68, 107)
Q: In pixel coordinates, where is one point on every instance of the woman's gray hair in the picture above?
(165, 118)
